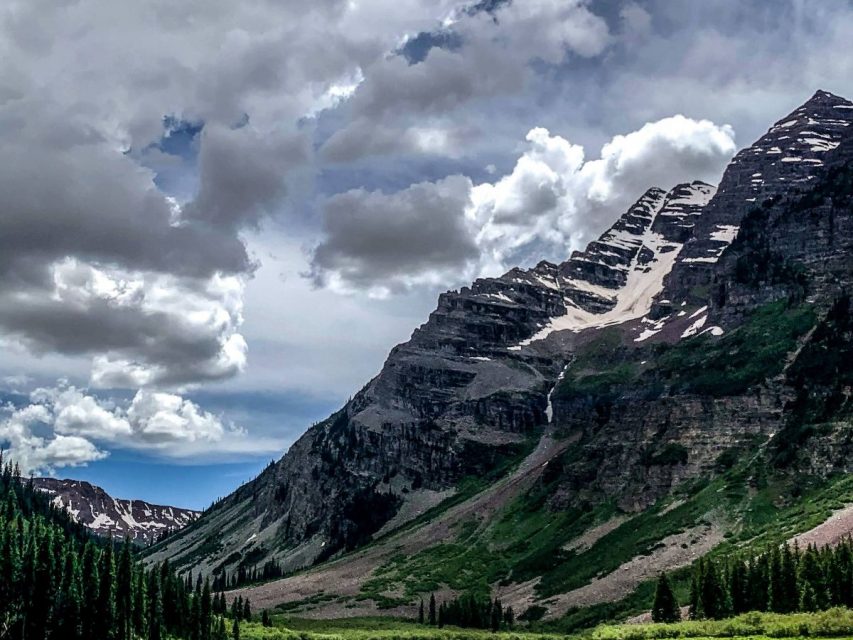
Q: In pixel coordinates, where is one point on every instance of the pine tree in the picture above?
(421, 612)
(91, 591)
(509, 617)
(247, 611)
(758, 583)
(235, 629)
(195, 615)
(105, 604)
(665, 607)
(790, 589)
(812, 581)
(776, 590)
(695, 611)
(140, 595)
(738, 587)
(155, 607)
(124, 593)
(221, 633)
(70, 605)
(10, 570)
(496, 615)
(808, 598)
(42, 595)
(712, 595)
(265, 618)
(432, 613)
(206, 613)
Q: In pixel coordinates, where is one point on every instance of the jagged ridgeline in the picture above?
(59, 581)
(93, 507)
(556, 436)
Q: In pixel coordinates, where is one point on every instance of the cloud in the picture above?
(386, 242)
(96, 260)
(33, 452)
(361, 138)
(552, 202)
(476, 55)
(64, 426)
(242, 175)
(144, 328)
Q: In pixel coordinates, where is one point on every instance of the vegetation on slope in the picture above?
(705, 365)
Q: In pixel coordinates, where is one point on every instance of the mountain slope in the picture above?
(94, 508)
(457, 400)
(665, 373)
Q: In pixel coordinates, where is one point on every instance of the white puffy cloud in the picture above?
(64, 426)
(34, 452)
(551, 203)
(165, 418)
(554, 202)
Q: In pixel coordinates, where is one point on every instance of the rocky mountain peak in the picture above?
(94, 508)
(782, 162)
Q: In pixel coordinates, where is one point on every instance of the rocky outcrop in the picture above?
(94, 508)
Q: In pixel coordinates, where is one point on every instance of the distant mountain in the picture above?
(94, 508)
(559, 435)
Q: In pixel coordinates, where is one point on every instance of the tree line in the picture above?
(59, 581)
(782, 579)
(467, 611)
(270, 570)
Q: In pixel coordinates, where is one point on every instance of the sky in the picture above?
(218, 217)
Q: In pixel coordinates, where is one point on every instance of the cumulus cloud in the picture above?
(34, 452)
(64, 426)
(242, 174)
(552, 202)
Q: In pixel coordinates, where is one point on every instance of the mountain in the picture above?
(97, 510)
(559, 435)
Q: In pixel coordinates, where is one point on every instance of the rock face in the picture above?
(96, 509)
(502, 360)
(794, 250)
(785, 160)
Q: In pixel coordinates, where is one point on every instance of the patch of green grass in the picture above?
(598, 369)
(835, 623)
(376, 628)
(746, 356)
(636, 536)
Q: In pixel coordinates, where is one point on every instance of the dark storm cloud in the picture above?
(387, 241)
(242, 175)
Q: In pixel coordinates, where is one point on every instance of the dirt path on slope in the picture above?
(334, 586)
